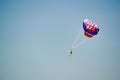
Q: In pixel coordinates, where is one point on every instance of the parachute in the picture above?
(90, 30)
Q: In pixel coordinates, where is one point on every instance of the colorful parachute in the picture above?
(90, 28)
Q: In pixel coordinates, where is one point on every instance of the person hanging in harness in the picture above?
(70, 52)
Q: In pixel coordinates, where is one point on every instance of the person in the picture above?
(70, 52)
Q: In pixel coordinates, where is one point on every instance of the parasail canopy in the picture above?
(90, 28)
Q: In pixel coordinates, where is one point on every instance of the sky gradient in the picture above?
(35, 35)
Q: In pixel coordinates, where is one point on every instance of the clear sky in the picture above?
(35, 34)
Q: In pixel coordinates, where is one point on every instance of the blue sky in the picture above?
(35, 34)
